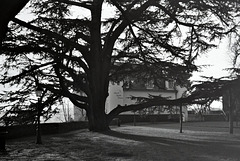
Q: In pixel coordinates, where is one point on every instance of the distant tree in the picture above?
(231, 94)
(235, 49)
(66, 111)
(76, 49)
(226, 88)
(20, 106)
(236, 73)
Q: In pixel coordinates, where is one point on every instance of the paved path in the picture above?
(145, 142)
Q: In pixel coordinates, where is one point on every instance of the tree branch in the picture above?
(66, 91)
(25, 72)
(81, 48)
(82, 4)
(8, 10)
(64, 94)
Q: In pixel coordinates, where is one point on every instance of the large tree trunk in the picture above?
(98, 74)
(97, 119)
(96, 114)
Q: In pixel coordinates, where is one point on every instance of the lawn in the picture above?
(200, 141)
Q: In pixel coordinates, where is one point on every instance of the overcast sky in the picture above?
(218, 59)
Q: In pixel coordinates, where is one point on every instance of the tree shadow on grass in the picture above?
(153, 139)
(213, 148)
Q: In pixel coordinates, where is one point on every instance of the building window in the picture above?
(149, 84)
(141, 84)
(171, 84)
(160, 83)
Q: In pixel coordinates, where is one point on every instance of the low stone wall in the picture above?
(148, 118)
(208, 117)
(194, 118)
(214, 117)
(48, 128)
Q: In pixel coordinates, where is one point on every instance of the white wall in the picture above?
(66, 112)
(79, 114)
(115, 97)
(145, 93)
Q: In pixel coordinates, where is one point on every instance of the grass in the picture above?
(208, 141)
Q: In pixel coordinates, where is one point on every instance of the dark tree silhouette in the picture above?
(8, 10)
(76, 50)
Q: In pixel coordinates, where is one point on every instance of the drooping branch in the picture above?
(81, 48)
(66, 91)
(79, 80)
(202, 93)
(8, 10)
(24, 49)
(86, 4)
(155, 102)
(25, 72)
(56, 91)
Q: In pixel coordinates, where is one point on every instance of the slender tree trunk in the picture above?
(38, 129)
(181, 119)
(134, 118)
(230, 104)
(236, 119)
(230, 121)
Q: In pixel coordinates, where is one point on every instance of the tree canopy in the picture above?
(8, 10)
(74, 48)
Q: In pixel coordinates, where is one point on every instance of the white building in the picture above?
(120, 94)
